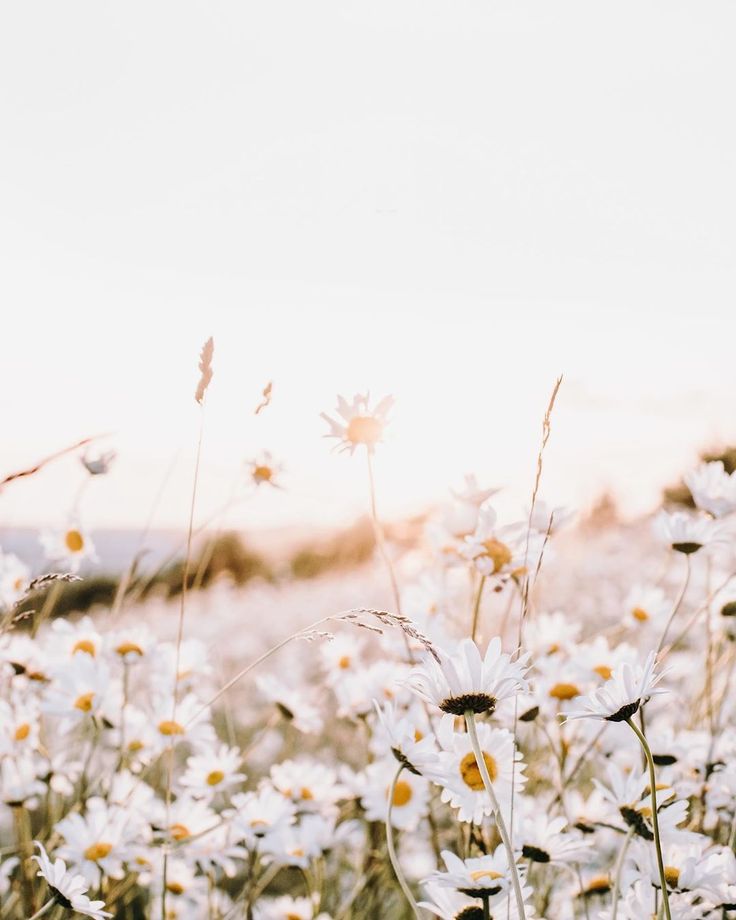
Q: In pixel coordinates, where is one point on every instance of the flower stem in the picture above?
(392, 850)
(676, 606)
(476, 607)
(617, 872)
(45, 909)
(486, 908)
(380, 536)
(655, 820)
(500, 823)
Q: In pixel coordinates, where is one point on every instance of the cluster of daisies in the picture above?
(473, 754)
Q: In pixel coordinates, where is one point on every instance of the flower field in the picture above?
(500, 719)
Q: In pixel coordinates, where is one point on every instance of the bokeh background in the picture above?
(453, 203)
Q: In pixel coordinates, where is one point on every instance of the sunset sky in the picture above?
(417, 214)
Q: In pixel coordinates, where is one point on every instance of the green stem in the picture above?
(476, 607)
(486, 908)
(391, 849)
(500, 823)
(655, 820)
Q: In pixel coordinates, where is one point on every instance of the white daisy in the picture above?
(67, 889)
(621, 696)
(464, 681)
(361, 424)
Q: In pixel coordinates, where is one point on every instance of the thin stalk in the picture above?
(678, 603)
(655, 820)
(179, 639)
(392, 850)
(617, 871)
(500, 823)
(476, 607)
(486, 907)
(379, 535)
(45, 909)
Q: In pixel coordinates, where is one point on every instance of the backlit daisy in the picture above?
(359, 424)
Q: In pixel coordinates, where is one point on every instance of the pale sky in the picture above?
(450, 202)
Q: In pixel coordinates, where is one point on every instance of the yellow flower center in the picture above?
(402, 794)
(129, 648)
(179, 831)
(638, 613)
(601, 883)
(294, 917)
(602, 670)
(306, 793)
(344, 662)
(497, 552)
(297, 851)
(74, 541)
(215, 777)
(470, 771)
(22, 731)
(485, 873)
(564, 692)
(169, 727)
(134, 746)
(84, 702)
(672, 876)
(364, 429)
(97, 851)
(85, 645)
(175, 887)
(418, 735)
(262, 473)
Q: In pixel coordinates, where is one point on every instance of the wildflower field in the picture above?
(507, 719)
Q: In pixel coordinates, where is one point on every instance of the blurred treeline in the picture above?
(221, 556)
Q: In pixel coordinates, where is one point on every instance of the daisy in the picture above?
(96, 843)
(497, 550)
(450, 904)
(184, 722)
(471, 492)
(647, 605)
(256, 814)
(286, 908)
(685, 533)
(621, 696)
(712, 488)
(309, 784)
(79, 689)
(264, 470)
(458, 773)
(359, 423)
(464, 681)
(410, 797)
(407, 742)
(212, 770)
(14, 579)
(543, 839)
(483, 877)
(292, 704)
(71, 639)
(67, 889)
(69, 547)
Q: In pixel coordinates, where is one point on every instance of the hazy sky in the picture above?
(452, 202)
